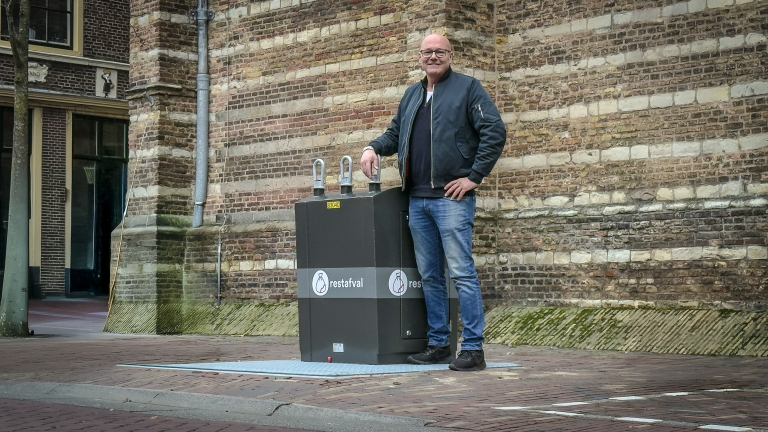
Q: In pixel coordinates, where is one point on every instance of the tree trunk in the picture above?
(14, 304)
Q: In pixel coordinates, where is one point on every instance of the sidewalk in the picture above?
(555, 389)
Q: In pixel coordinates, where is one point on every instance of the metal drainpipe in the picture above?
(202, 15)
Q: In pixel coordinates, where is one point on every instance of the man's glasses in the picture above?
(439, 53)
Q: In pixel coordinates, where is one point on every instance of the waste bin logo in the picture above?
(320, 283)
(398, 283)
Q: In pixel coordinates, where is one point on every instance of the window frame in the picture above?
(76, 39)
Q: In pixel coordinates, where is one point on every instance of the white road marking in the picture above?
(541, 409)
(639, 420)
(562, 413)
(726, 428)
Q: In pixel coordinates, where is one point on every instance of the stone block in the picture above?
(686, 149)
(558, 159)
(599, 256)
(595, 61)
(750, 89)
(532, 116)
(562, 258)
(579, 25)
(638, 152)
(696, 6)
(729, 43)
(644, 15)
(757, 252)
(662, 100)
(370, 62)
(710, 252)
(650, 208)
(586, 156)
(708, 191)
(558, 113)
(734, 188)
(535, 161)
(557, 30)
(685, 97)
(581, 257)
(578, 111)
(608, 106)
(665, 194)
(600, 198)
(660, 150)
(618, 197)
(581, 199)
(757, 189)
(669, 51)
(704, 46)
(509, 164)
(640, 255)
(687, 253)
(634, 103)
(736, 253)
(717, 204)
(529, 258)
(612, 210)
(618, 255)
(545, 258)
(616, 59)
(753, 39)
(614, 154)
(720, 146)
(753, 142)
(715, 94)
(557, 201)
(622, 18)
(675, 9)
(684, 192)
(634, 56)
(593, 109)
(714, 4)
(601, 21)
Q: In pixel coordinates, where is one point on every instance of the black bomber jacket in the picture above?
(468, 134)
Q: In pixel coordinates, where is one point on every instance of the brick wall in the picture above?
(630, 175)
(53, 197)
(106, 29)
(635, 169)
(64, 78)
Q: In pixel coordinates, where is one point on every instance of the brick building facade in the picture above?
(73, 51)
(634, 173)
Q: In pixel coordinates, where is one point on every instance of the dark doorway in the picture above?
(99, 160)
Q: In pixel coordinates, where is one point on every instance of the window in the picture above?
(50, 23)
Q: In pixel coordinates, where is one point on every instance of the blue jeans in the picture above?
(442, 232)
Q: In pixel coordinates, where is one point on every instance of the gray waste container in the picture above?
(360, 296)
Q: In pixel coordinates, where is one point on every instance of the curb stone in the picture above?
(198, 406)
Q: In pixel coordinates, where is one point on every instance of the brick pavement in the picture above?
(459, 401)
(28, 416)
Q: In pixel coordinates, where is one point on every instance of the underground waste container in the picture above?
(360, 295)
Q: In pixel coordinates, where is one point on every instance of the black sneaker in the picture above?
(431, 355)
(469, 361)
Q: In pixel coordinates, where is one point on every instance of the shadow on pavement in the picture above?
(61, 316)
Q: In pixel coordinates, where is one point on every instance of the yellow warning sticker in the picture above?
(334, 204)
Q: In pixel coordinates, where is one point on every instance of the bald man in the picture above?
(448, 135)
